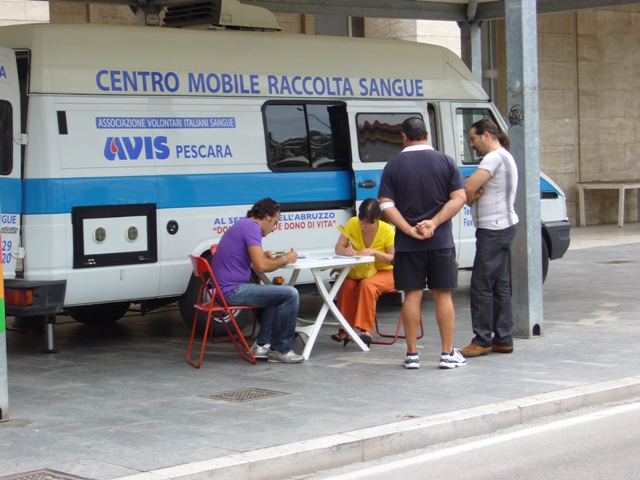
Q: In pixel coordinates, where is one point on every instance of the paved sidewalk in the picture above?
(123, 402)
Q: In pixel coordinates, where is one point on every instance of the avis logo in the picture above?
(130, 148)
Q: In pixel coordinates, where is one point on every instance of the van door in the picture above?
(377, 139)
(10, 182)
(464, 115)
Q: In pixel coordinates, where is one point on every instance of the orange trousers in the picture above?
(357, 298)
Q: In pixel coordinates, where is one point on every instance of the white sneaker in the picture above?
(260, 352)
(275, 356)
(412, 361)
(452, 361)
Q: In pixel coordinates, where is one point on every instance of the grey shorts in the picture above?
(436, 269)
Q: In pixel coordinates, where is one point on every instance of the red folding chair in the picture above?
(397, 335)
(212, 302)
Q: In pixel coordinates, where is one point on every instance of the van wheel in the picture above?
(545, 260)
(190, 297)
(100, 314)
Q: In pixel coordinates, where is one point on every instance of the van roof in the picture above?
(108, 59)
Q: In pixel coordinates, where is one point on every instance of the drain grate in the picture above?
(244, 395)
(617, 262)
(44, 474)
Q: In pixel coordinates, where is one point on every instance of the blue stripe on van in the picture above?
(51, 196)
(10, 196)
(544, 185)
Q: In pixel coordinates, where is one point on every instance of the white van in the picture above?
(124, 149)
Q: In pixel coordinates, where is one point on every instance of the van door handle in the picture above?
(367, 184)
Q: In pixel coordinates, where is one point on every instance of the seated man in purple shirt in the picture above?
(239, 248)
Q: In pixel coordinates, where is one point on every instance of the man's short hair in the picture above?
(414, 129)
(264, 208)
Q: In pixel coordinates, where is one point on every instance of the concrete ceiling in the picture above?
(458, 10)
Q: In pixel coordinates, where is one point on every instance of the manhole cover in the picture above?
(44, 474)
(617, 262)
(244, 395)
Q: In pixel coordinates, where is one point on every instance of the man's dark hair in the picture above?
(414, 129)
(264, 208)
(369, 210)
(486, 125)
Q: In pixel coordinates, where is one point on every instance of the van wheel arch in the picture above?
(99, 314)
(188, 312)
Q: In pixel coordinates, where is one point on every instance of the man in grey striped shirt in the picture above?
(491, 192)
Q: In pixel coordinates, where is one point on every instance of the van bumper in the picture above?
(42, 298)
(558, 235)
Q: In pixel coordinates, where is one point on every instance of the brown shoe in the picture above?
(473, 350)
(501, 349)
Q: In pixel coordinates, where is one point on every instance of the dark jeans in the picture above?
(490, 288)
(280, 314)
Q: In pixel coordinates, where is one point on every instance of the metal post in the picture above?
(471, 47)
(524, 130)
(50, 321)
(4, 379)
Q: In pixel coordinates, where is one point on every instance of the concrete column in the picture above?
(471, 47)
(524, 130)
(148, 16)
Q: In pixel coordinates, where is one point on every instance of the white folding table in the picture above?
(317, 264)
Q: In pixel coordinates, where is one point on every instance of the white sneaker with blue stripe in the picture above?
(452, 361)
(412, 361)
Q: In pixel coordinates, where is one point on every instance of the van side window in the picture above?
(434, 136)
(465, 117)
(6, 138)
(379, 135)
(307, 136)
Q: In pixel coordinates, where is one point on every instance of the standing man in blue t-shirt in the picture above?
(240, 248)
(420, 191)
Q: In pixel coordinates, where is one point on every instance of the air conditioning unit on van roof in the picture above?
(214, 14)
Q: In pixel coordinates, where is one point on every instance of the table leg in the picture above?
(621, 207)
(581, 205)
(327, 305)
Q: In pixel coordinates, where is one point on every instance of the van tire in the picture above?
(545, 259)
(99, 314)
(188, 312)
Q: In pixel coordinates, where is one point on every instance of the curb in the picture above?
(371, 443)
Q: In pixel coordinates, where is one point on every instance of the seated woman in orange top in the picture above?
(365, 235)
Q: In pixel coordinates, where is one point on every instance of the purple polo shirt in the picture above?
(231, 263)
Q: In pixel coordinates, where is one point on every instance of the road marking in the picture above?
(427, 457)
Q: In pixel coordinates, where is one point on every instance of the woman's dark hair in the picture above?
(369, 210)
(414, 129)
(486, 125)
(264, 208)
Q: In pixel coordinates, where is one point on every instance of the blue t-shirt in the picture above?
(231, 263)
(420, 180)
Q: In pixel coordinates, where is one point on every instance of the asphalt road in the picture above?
(601, 442)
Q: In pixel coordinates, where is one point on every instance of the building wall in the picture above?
(608, 84)
(23, 11)
(446, 34)
(558, 103)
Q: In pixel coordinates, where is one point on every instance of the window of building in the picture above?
(307, 136)
(6, 138)
(465, 117)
